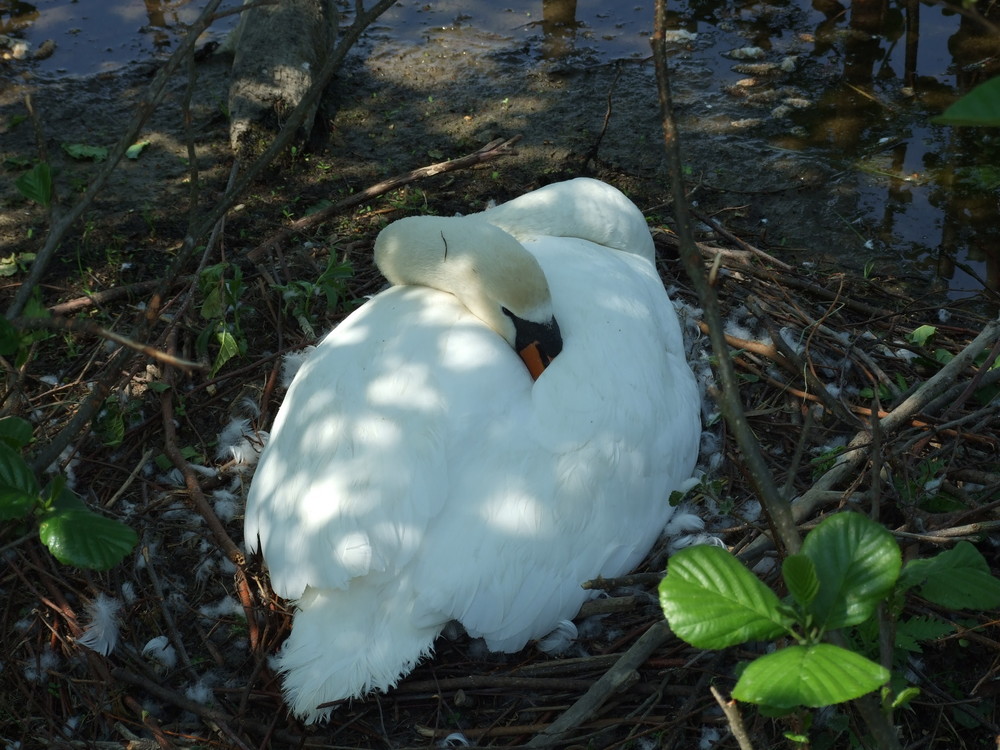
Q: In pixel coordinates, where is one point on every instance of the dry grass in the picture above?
(804, 399)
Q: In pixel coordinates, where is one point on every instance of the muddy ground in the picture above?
(407, 107)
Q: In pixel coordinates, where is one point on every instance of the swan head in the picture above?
(489, 271)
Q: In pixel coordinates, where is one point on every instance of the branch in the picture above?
(778, 512)
(296, 118)
(489, 152)
(155, 94)
(610, 683)
(732, 712)
(77, 325)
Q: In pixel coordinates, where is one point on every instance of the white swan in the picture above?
(417, 474)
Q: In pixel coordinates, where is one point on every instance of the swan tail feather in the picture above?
(345, 644)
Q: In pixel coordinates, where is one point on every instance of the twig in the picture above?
(735, 719)
(778, 513)
(610, 682)
(168, 617)
(107, 295)
(740, 243)
(296, 118)
(947, 536)
(492, 150)
(222, 538)
(209, 714)
(155, 94)
(855, 452)
(94, 402)
(89, 327)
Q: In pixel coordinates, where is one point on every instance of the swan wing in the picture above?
(358, 464)
(572, 480)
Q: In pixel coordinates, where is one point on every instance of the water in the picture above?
(98, 36)
(858, 91)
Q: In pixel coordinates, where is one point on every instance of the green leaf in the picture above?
(214, 305)
(800, 577)
(19, 491)
(14, 431)
(110, 424)
(228, 348)
(958, 578)
(135, 149)
(814, 676)
(36, 185)
(857, 562)
(910, 633)
(980, 107)
(905, 696)
(83, 151)
(712, 601)
(79, 537)
(920, 335)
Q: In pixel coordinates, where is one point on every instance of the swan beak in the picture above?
(537, 344)
(535, 359)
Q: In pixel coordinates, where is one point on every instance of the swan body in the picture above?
(416, 473)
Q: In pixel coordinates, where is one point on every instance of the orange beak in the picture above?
(534, 359)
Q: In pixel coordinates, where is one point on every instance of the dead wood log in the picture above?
(279, 48)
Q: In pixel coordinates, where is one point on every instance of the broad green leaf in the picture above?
(800, 577)
(214, 305)
(920, 335)
(857, 562)
(84, 539)
(228, 348)
(958, 578)
(712, 601)
(14, 431)
(83, 151)
(912, 632)
(814, 676)
(980, 107)
(19, 491)
(135, 149)
(36, 185)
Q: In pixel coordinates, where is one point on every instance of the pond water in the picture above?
(851, 84)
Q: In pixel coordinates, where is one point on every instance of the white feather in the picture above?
(416, 474)
(559, 640)
(291, 363)
(101, 634)
(160, 651)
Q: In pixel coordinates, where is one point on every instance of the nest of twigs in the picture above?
(821, 356)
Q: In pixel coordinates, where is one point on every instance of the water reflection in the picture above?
(92, 38)
(880, 70)
(874, 72)
(16, 15)
(559, 26)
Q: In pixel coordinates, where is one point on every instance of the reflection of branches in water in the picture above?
(559, 27)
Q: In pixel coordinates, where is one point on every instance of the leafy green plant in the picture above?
(16, 263)
(222, 288)
(85, 152)
(847, 567)
(36, 184)
(300, 297)
(74, 534)
(980, 107)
